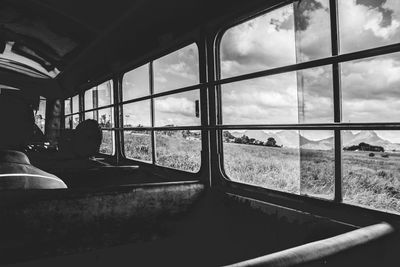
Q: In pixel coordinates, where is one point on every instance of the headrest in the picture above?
(87, 138)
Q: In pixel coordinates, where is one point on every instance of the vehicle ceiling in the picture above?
(55, 47)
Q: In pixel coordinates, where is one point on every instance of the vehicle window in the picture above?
(286, 124)
(177, 149)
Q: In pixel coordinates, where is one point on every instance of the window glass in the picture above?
(294, 33)
(176, 70)
(370, 89)
(137, 145)
(107, 145)
(75, 121)
(181, 109)
(105, 117)
(40, 115)
(75, 104)
(371, 163)
(305, 96)
(68, 122)
(179, 150)
(90, 115)
(300, 162)
(89, 99)
(67, 106)
(137, 114)
(136, 83)
(105, 94)
(367, 24)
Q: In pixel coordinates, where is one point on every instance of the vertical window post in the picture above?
(153, 137)
(337, 100)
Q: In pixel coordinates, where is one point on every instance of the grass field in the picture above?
(172, 150)
(373, 182)
(370, 182)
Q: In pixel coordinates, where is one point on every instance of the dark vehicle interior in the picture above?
(199, 133)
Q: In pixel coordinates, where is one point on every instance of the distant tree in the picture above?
(227, 135)
(271, 142)
(245, 139)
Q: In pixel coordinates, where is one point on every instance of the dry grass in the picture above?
(371, 182)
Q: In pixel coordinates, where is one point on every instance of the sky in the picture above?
(173, 71)
(295, 33)
(301, 32)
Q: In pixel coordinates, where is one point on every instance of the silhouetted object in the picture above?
(86, 139)
(38, 135)
(364, 147)
(16, 172)
(371, 155)
(17, 122)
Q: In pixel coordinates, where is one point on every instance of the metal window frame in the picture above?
(152, 96)
(337, 126)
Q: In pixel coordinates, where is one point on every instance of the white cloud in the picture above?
(264, 42)
(176, 111)
(181, 69)
(374, 24)
(361, 26)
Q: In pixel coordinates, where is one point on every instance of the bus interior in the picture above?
(199, 133)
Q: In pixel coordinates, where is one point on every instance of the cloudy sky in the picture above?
(298, 33)
(289, 35)
(173, 71)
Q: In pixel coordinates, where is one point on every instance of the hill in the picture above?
(292, 139)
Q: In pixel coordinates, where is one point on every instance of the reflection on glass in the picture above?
(89, 99)
(178, 109)
(68, 122)
(176, 70)
(367, 24)
(302, 97)
(105, 94)
(291, 161)
(137, 145)
(315, 95)
(312, 27)
(136, 83)
(179, 150)
(294, 33)
(107, 144)
(40, 115)
(75, 121)
(137, 114)
(371, 169)
(67, 106)
(105, 118)
(75, 104)
(370, 89)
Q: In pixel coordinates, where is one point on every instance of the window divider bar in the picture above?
(313, 63)
(153, 137)
(322, 127)
(166, 93)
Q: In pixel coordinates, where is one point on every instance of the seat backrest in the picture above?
(16, 172)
